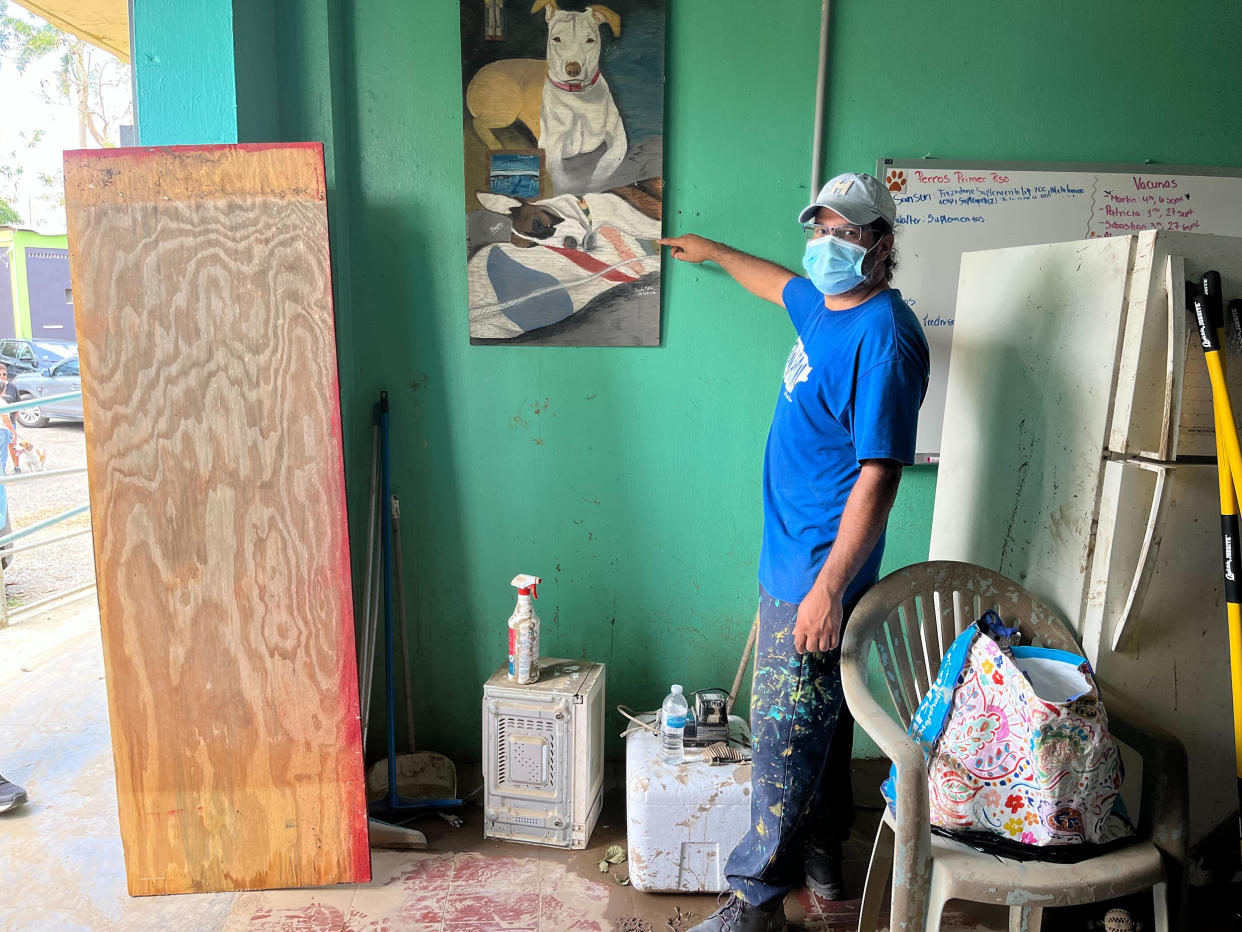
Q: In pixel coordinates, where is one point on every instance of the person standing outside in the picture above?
(8, 453)
(11, 795)
(844, 426)
(8, 392)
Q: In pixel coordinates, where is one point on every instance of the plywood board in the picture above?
(202, 294)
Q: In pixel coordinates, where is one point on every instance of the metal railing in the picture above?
(6, 541)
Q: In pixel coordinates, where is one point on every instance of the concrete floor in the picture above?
(61, 852)
(63, 870)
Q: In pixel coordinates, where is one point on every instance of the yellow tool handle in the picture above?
(1226, 434)
(1235, 666)
(1229, 471)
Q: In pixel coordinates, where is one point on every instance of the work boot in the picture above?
(736, 915)
(823, 869)
(10, 795)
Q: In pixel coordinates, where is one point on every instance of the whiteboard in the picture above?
(945, 208)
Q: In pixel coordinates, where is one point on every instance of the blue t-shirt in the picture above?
(852, 390)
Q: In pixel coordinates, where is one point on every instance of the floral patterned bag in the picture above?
(1018, 749)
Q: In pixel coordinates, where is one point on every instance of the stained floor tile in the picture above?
(472, 870)
(499, 908)
(63, 868)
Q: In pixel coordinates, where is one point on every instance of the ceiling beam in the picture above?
(102, 23)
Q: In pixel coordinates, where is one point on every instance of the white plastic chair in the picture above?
(910, 618)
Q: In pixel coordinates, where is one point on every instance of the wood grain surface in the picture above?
(202, 292)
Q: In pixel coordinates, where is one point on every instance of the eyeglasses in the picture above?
(850, 232)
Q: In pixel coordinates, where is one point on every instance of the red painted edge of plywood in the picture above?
(351, 711)
(215, 147)
(273, 183)
(348, 673)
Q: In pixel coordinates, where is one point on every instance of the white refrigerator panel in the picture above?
(1164, 399)
(1134, 508)
(1029, 400)
(1078, 458)
(1175, 665)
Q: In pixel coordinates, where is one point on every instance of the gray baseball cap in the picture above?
(859, 198)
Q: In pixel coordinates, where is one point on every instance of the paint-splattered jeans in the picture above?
(800, 776)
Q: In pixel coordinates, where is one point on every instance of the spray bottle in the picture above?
(524, 633)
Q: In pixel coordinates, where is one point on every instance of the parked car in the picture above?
(58, 379)
(34, 355)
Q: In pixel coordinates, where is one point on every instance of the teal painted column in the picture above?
(186, 92)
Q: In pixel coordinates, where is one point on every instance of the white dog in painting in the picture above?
(578, 113)
(564, 101)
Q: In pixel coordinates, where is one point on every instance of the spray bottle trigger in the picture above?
(524, 582)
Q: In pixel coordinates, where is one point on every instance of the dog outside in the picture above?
(68, 564)
(564, 122)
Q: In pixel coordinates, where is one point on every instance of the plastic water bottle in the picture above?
(673, 726)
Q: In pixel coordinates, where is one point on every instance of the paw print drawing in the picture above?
(896, 180)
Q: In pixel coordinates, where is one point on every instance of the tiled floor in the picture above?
(503, 886)
(61, 866)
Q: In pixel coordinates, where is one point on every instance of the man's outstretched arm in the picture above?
(760, 277)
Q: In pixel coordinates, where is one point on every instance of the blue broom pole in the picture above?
(386, 543)
(393, 800)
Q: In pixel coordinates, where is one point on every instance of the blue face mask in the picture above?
(833, 265)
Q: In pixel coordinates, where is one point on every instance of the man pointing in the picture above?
(845, 423)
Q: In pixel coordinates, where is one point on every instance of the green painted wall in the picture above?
(255, 66)
(183, 71)
(629, 478)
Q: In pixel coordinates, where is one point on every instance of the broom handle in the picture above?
(406, 678)
(366, 647)
(741, 667)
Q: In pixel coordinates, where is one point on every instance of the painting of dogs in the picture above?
(574, 97)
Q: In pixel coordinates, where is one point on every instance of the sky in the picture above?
(24, 108)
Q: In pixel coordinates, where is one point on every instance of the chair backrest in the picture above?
(912, 616)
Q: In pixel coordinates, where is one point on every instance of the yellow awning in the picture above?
(102, 23)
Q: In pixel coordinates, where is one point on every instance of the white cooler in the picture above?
(684, 820)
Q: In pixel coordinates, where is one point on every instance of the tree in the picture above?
(10, 178)
(11, 173)
(86, 77)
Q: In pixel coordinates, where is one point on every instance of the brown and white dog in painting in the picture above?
(564, 100)
(573, 222)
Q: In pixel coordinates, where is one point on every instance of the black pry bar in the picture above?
(1235, 321)
(1207, 330)
(1210, 284)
